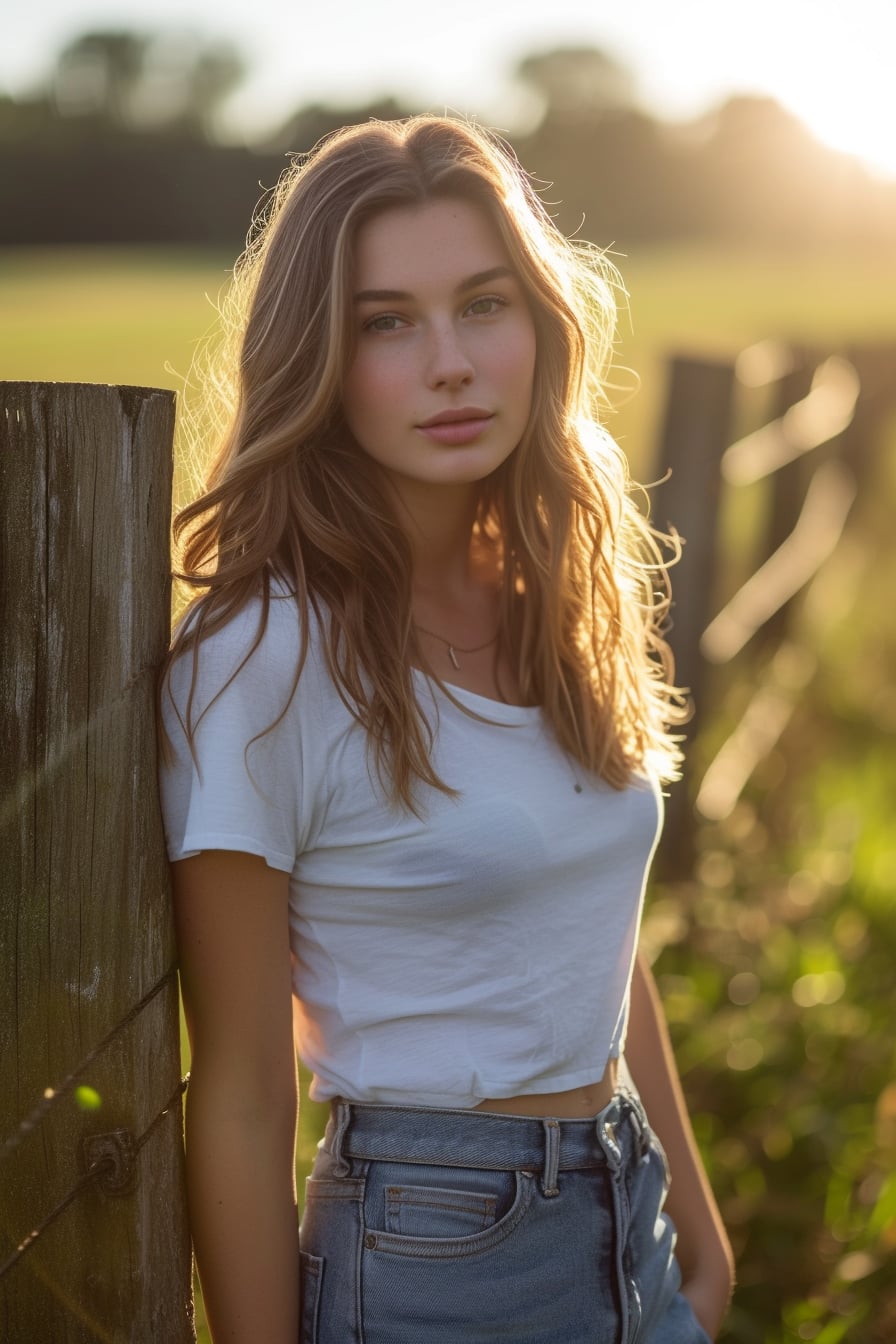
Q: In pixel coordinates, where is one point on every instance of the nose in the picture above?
(449, 363)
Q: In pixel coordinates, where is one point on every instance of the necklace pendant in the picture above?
(453, 656)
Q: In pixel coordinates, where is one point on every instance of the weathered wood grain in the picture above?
(85, 928)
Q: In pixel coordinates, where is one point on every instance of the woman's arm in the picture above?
(703, 1250)
(232, 933)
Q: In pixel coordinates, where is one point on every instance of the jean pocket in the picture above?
(434, 1211)
(312, 1268)
(457, 1212)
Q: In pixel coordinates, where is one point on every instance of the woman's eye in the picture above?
(487, 305)
(384, 322)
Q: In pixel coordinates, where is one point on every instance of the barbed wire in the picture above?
(53, 1095)
(94, 1172)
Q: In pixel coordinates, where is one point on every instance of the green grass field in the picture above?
(777, 960)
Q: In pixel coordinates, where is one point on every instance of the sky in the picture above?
(828, 61)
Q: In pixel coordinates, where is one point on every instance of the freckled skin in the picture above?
(444, 345)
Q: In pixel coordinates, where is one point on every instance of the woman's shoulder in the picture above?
(259, 649)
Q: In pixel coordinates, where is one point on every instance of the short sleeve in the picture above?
(248, 787)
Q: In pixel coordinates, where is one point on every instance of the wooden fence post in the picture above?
(790, 478)
(876, 367)
(697, 430)
(85, 928)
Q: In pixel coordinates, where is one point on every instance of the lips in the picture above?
(458, 426)
(456, 416)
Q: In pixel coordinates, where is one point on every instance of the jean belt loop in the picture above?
(639, 1126)
(549, 1186)
(606, 1136)
(633, 1113)
(342, 1114)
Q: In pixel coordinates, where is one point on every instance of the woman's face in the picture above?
(440, 385)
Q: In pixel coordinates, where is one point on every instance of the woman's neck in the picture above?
(456, 590)
(447, 562)
(456, 608)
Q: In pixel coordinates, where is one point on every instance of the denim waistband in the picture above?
(487, 1139)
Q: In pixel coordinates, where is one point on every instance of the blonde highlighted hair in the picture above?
(290, 494)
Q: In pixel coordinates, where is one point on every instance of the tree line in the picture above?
(121, 146)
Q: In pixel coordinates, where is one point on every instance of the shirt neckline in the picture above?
(497, 710)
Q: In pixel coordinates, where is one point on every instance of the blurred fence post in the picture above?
(89, 1038)
(876, 367)
(788, 482)
(696, 431)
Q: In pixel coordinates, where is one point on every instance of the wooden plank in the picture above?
(85, 926)
(876, 368)
(758, 731)
(817, 405)
(818, 529)
(695, 434)
(696, 431)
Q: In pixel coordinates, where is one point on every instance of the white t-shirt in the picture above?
(483, 949)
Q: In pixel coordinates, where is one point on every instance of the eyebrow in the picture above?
(404, 296)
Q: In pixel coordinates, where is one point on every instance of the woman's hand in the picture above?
(709, 1290)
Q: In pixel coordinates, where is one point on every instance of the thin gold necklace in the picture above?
(455, 649)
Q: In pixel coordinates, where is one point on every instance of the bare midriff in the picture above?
(579, 1103)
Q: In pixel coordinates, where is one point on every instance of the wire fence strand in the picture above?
(53, 1095)
(93, 1173)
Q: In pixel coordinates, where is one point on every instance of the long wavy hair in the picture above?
(291, 495)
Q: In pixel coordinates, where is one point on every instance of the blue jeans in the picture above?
(429, 1226)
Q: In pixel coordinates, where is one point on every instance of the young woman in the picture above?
(416, 718)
